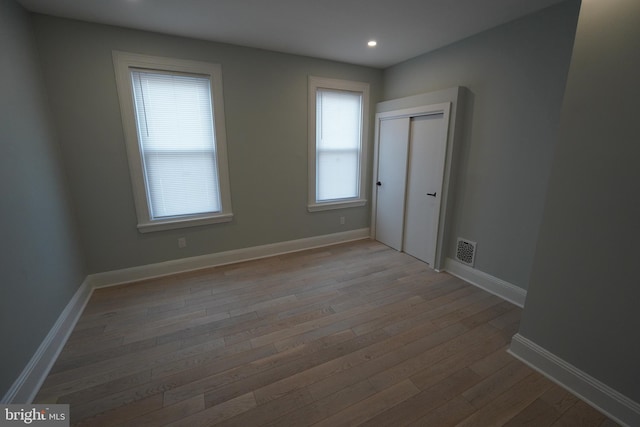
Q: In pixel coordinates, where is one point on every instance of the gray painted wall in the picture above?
(515, 75)
(41, 264)
(583, 300)
(265, 106)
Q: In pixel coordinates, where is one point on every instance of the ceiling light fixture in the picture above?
(372, 43)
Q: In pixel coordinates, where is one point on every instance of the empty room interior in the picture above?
(380, 213)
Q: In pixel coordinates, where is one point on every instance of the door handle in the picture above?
(432, 194)
(379, 184)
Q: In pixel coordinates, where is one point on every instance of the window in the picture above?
(338, 123)
(173, 118)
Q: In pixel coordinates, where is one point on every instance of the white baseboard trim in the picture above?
(610, 402)
(25, 388)
(127, 275)
(499, 287)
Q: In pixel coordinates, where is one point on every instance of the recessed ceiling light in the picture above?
(372, 43)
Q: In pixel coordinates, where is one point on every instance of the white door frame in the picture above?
(424, 110)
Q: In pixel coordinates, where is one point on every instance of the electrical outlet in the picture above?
(182, 242)
(342, 220)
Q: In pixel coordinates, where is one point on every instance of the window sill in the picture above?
(170, 224)
(317, 207)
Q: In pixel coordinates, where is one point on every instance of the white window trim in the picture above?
(316, 83)
(122, 62)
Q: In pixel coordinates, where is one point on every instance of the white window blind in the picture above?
(176, 135)
(338, 144)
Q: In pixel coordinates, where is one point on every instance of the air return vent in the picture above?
(466, 251)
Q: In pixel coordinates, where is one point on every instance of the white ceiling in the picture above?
(330, 29)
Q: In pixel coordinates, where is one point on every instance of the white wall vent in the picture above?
(466, 251)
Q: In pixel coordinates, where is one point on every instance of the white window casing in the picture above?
(337, 139)
(174, 127)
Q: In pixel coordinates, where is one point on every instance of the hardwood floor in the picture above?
(353, 334)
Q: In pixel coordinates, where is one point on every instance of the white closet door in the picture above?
(391, 181)
(427, 145)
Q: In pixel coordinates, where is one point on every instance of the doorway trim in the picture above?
(444, 108)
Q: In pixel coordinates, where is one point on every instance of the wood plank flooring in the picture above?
(352, 334)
